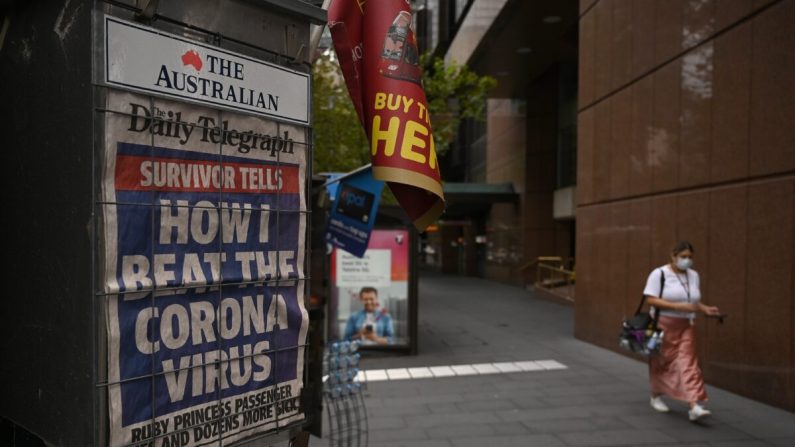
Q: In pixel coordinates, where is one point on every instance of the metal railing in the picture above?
(555, 274)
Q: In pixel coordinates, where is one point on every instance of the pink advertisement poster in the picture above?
(371, 292)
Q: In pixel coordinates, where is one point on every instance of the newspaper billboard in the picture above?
(204, 238)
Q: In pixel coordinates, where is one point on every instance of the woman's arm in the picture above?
(660, 303)
(682, 307)
(709, 310)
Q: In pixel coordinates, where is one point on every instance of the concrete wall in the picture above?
(686, 130)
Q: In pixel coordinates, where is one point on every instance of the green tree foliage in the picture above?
(340, 142)
(453, 91)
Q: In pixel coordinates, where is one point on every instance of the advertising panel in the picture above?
(204, 236)
(354, 211)
(372, 292)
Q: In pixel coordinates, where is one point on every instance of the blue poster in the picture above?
(204, 223)
(353, 211)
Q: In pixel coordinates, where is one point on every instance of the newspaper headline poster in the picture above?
(204, 257)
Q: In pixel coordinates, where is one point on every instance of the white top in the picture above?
(675, 289)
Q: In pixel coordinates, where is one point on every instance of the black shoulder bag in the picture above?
(640, 333)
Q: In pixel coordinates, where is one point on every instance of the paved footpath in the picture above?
(600, 399)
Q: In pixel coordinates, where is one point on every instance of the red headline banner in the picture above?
(377, 50)
(134, 173)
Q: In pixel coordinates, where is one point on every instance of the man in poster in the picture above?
(372, 325)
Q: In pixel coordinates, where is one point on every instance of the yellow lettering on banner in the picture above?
(393, 101)
(388, 136)
(432, 155)
(410, 140)
(422, 108)
(380, 101)
(407, 102)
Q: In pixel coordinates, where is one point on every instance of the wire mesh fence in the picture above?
(343, 396)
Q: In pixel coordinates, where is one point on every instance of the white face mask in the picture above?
(684, 263)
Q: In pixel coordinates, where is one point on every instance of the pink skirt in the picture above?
(674, 371)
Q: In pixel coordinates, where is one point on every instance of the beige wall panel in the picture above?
(640, 152)
(667, 29)
(621, 138)
(642, 36)
(731, 104)
(622, 31)
(602, 151)
(772, 90)
(664, 138)
(585, 156)
(727, 279)
(769, 298)
(696, 120)
(604, 49)
(587, 60)
(639, 261)
(728, 12)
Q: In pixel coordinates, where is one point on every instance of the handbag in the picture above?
(640, 334)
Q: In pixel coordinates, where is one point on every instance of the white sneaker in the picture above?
(658, 404)
(698, 412)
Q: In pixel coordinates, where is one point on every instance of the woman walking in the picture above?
(673, 290)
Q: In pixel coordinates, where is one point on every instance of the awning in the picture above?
(475, 199)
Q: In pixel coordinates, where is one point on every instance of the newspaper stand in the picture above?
(60, 81)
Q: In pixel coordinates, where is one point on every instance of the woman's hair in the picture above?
(682, 246)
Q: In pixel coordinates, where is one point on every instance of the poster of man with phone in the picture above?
(372, 324)
(372, 289)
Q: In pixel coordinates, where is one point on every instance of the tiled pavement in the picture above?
(600, 399)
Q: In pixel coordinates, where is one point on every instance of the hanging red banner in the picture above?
(377, 51)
